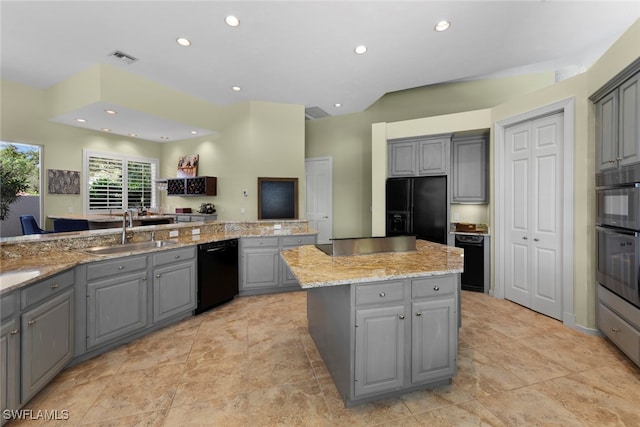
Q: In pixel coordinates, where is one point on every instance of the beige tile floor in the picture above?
(251, 362)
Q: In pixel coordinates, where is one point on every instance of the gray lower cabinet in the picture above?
(117, 302)
(262, 270)
(9, 354)
(47, 341)
(619, 321)
(174, 283)
(403, 335)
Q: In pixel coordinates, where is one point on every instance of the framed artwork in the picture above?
(187, 166)
(63, 182)
(277, 198)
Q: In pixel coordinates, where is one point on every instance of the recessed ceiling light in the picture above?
(111, 112)
(194, 132)
(133, 134)
(442, 26)
(236, 88)
(232, 21)
(360, 49)
(105, 130)
(337, 105)
(79, 120)
(183, 41)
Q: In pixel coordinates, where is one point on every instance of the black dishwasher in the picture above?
(217, 274)
(473, 277)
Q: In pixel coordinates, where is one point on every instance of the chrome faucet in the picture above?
(124, 227)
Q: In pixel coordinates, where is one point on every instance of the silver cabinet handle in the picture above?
(55, 286)
(15, 332)
(177, 256)
(525, 238)
(32, 322)
(615, 329)
(418, 314)
(436, 288)
(144, 278)
(536, 240)
(158, 275)
(382, 294)
(121, 267)
(401, 317)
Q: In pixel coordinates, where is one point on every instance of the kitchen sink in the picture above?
(130, 247)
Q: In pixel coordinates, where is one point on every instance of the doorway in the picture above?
(319, 194)
(534, 210)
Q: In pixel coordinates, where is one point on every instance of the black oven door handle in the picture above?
(617, 231)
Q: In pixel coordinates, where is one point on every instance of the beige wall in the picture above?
(253, 139)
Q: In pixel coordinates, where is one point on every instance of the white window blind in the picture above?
(116, 182)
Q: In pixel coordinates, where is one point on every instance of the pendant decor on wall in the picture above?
(187, 166)
(63, 182)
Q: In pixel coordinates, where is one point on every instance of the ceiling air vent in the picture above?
(313, 113)
(123, 57)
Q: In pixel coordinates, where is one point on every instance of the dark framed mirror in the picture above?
(277, 198)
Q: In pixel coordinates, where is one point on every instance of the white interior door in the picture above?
(319, 193)
(533, 200)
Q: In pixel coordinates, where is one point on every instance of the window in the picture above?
(117, 182)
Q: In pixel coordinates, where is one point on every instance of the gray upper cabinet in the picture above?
(419, 157)
(470, 169)
(618, 125)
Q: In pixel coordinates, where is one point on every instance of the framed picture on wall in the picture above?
(187, 166)
(277, 198)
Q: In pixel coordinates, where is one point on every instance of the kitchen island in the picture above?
(384, 323)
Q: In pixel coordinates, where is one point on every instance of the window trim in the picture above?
(86, 154)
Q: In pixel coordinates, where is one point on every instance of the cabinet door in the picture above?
(259, 268)
(607, 131)
(629, 128)
(379, 359)
(402, 158)
(47, 342)
(469, 171)
(433, 156)
(9, 364)
(434, 340)
(174, 290)
(116, 307)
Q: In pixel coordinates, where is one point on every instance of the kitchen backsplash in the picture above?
(474, 214)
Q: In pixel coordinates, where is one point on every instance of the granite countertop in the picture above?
(313, 268)
(28, 268)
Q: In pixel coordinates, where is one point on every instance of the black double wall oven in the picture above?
(618, 232)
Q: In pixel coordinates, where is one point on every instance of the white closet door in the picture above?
(534, 201)
(319, 196)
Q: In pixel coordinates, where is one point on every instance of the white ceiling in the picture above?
(301, 52)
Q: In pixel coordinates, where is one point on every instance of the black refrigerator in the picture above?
(417, 206)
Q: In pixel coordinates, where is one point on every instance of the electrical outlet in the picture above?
(277, 226)
(195, 231)
(173, 233)
(245, 193)
(242, 211)
(456, 216)
(70, 209)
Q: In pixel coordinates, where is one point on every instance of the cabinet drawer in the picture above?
(298, 240)
(433, 287)
(8, 305)
(183, 218)
(116, 266)
(380, 293)
(174, 255)
(625, 336)
(264, 242)
(47, 288)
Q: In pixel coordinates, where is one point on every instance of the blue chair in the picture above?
(30, 226)
(61, 225)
